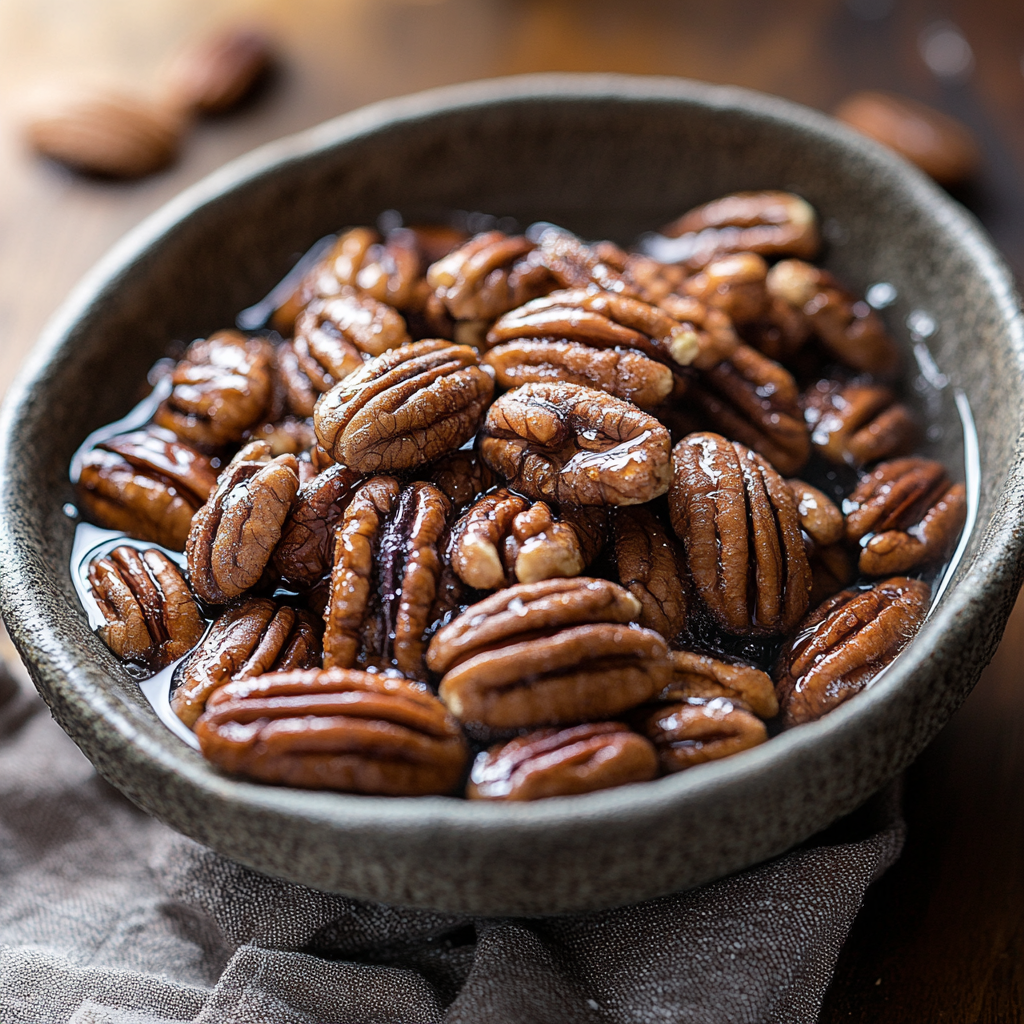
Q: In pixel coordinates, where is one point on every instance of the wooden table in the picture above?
(941, 937)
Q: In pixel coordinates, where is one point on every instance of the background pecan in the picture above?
(820, 519)
(706, 677)
(335, 729)
(571, 444)
(574, 264)
(561, 762)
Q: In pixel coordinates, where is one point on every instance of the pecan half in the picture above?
(332, 327)
(222, 387)
(734, 284)
(561, 762)
(738, 521)
(405, 408)
(147, 484)
(820, 519)
(151, 617)
(573, 264)
(858, 423)
(706, 677)
(246, 640)
(573, 445)
(462, 476)
(337, 729)
(832, 569)
(650, 566)
(234, 534)
(697, 730)
(912, 512)
(299, 392)
(547, 653)
(844, 643)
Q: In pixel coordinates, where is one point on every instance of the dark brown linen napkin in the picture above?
(108, 917)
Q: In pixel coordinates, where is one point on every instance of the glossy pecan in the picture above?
(850, 330)
(739, 524)
(574, 264)
(904, 514)
(150, 615)
(247, 639)
(147, 484)
(289, 435)
(222, 387)
(696, 730)
(735, 284)
(573, 445)
(234, 534)
(858, 423)
(462, 476)
(705, 676)
(299, 393)
(650, 566)
(339, 729)
(548, 653)
(833, 567)
(405, 408)
(820, 519)
(561, 762)
(844, 643)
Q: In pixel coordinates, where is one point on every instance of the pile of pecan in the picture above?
(525, 516)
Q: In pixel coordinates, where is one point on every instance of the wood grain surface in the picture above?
(941, 937)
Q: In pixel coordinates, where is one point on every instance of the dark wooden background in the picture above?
(941, 937)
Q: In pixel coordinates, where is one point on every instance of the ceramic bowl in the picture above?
(608, 157)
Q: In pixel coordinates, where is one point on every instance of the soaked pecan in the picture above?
(287, 436)
(561, 762)
(904, 514)
(650, 567)
(573, 264)
(547, 653)
(734, 284)
(711, 331)
(697, 730)
(832, 569)
(858, 423)
(706, 677)
(300, 394)
(462, 476)
(573, 445)
(147, 484)
(338, 729)
(222, 387)
(850, 330)
(651, 280)
(405, 408)
(819, 517)
(234, 534)
(738, 521)
(246, 640)
(844, 643)
(387, 580)
(366, 325)
(305, 552)
(150, 615)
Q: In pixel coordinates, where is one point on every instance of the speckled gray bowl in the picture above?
(607, 156)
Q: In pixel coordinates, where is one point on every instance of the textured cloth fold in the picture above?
(108, 917)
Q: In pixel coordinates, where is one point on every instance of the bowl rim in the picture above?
(995, 567)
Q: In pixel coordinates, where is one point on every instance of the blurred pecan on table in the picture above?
(575, 446)
(904, 514)
(151, 616)
(560, 651)
(234, 534)
(223, 386)
(404, 408)
(338, 729)
(739, 524)
(844, 643)
(247, 639)
(706, 677)
(388, 582)
(560, 762)
(146, 484)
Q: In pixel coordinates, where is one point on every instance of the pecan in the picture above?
(338, 729)
(462, 476)
(150, 616)
(844, 643)
(697, 730)
(850, 330)
(651, 280)
(387, 580)
(734, 284)
(404, 408)
(287, 436)
(561, 762)
(650, 567)
(146, 484)
(548, 653)
(246, 640)
(305, 551)
(493, 272)
(234, 534)
(858, 423)
(353, 319)
(300, 393)
(574, 264)
(832, 569)
(573, 445)
(706, 677)
(739, 524)
(905, 513)
(819, 517)
(710, 330)
(222, 387)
